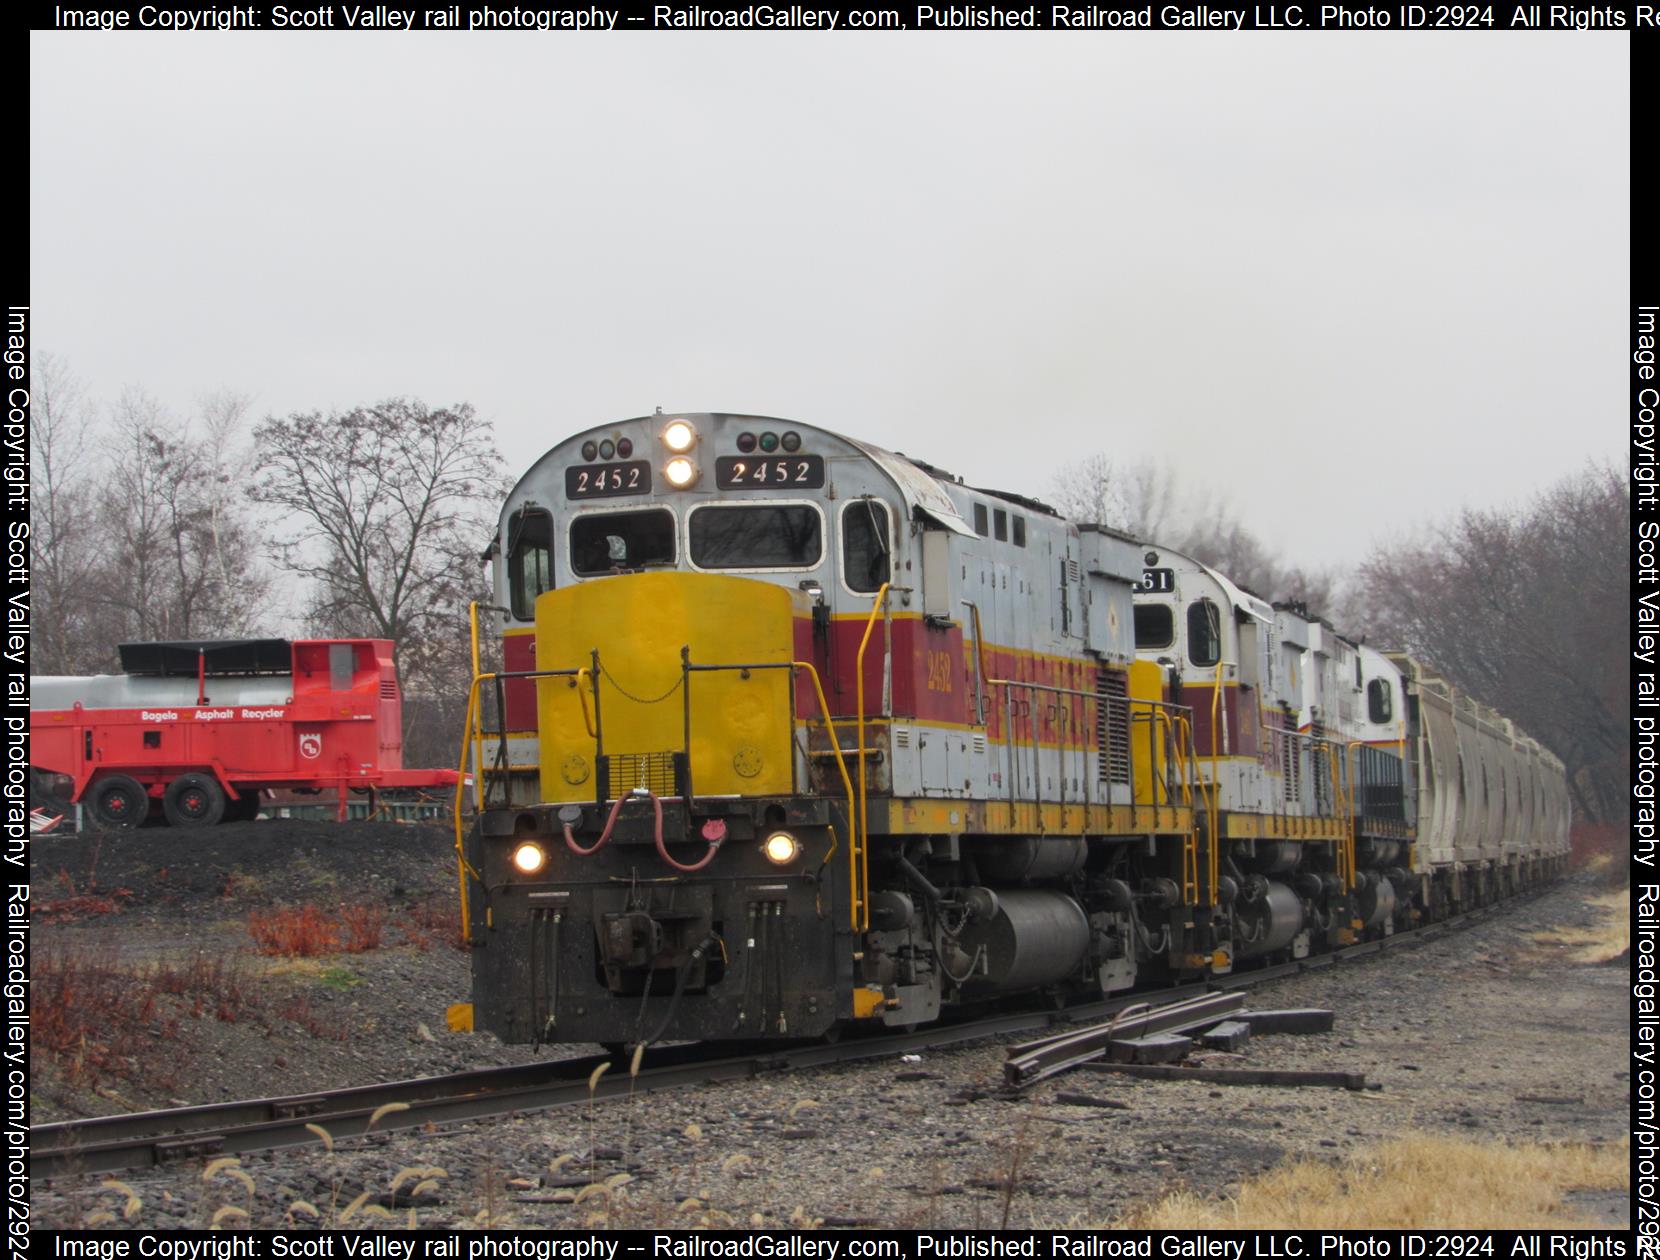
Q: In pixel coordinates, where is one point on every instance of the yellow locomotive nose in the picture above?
(669, 672)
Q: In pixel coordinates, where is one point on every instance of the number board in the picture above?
(1155, 582)
(770, 472)
(604, 481)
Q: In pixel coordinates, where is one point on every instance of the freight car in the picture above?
(793, 733)
(191, 733)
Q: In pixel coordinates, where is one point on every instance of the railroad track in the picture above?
(155, 1138)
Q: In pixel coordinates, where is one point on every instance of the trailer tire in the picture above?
(118, 801)
(194, 800)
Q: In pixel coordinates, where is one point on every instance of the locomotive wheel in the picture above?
(194, 800)
(118, 801)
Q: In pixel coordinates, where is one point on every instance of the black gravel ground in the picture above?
(1466, 1035)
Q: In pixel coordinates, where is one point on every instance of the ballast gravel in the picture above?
(1484, 1032)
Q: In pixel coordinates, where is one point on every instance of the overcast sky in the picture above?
(1352, 281)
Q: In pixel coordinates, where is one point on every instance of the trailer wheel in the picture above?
(118, 801)
(194, 800)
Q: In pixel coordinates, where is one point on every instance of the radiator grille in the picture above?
(1112, 726)
(1292, 782)
(1319, 757)
(653, 771)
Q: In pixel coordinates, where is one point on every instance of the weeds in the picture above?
(1415, 1182)
(306, 932)
(435, 921)
(1604, 940)
(97, 1018)
(1589, 841)
(299, 1011)
(71, 904)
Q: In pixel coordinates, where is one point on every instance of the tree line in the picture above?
(152, 524)
(371, 522)
(1522, 607)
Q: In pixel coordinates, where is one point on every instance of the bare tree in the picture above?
(1139, 498)
(1526, 608)
(179, 559)
(389, 506)
(1087, 491)
(1142, 499)
(63, 535)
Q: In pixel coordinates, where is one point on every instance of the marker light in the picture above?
(769, 442)
(746, 442)
(791, 441)
(781, 847)
(680, 472)
(529, 858)
(625, 448)
(607, 449)
(590, 452)
(679, 436)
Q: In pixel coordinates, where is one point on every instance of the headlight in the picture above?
(781, 847)
(680, 472)
(529, 858)
(679, 436)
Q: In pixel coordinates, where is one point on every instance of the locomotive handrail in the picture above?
(585, 675)
(473, 719)
(858, 852)
(853, 909)
(1179, 731)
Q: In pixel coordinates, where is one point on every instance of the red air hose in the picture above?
(610, 822)
(714, 831)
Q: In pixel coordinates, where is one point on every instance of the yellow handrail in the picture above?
(847, 784)
(859, 855)
(1346, 852)
(462, 867)
(585, 676)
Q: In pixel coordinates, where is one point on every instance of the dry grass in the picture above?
(1590, 843)
(61, 902)
(435, 921)
(1415, 1182)
(306, 932)
(1606, 939)
(97, 1018)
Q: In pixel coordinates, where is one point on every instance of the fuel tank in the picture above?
(1031, 939)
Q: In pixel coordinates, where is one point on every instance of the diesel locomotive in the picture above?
(793, 733)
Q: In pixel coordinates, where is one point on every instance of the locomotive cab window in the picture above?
(1204, 633)
(1380, 702)
(605, 541)
(865, 547)
(1155, 625)
(756, 536)
(529, 559)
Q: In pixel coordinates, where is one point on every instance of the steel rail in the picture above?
(154, 1138)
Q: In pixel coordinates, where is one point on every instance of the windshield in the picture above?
(756, 536)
